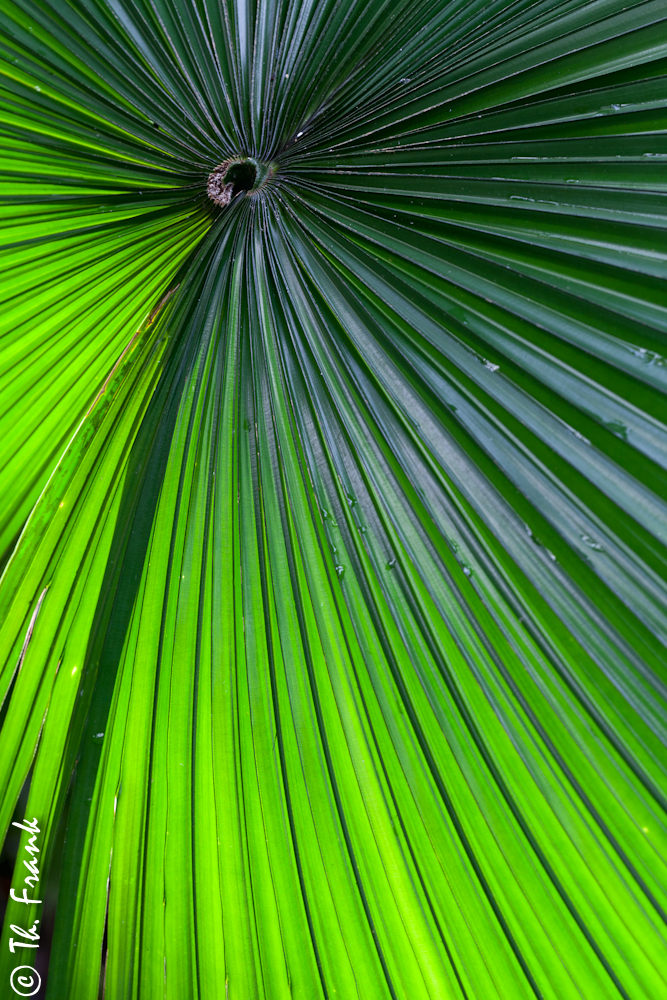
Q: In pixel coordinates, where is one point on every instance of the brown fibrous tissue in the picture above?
(216, 189)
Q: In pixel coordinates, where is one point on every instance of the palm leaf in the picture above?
(332, 642)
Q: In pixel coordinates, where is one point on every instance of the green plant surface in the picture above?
(333, 617)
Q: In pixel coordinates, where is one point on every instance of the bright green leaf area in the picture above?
(333, 616)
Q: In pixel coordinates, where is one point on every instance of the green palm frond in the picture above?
(334, 608)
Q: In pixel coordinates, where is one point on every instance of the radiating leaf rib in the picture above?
(335, 638)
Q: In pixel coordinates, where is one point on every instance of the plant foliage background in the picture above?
(332, 641)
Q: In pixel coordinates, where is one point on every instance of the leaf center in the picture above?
(234, 176)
